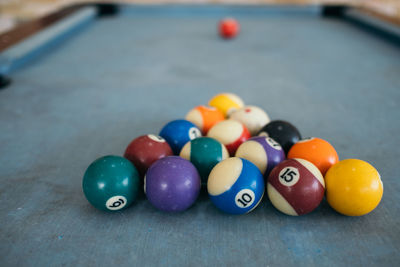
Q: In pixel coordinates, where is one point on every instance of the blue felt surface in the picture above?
(128, 75)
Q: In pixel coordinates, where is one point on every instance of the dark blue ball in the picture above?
(178, 133)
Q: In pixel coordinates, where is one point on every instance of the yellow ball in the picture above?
(353, 187)
(226, 103)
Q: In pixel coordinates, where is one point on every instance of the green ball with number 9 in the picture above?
(111, 183)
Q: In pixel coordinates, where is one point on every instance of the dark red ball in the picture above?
(295, 187)
(145, 150)
(228, 28)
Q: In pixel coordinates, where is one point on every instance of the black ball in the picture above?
(282, 132)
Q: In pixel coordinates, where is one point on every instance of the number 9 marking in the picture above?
(116, 203)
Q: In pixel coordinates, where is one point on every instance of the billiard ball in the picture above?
(235, 186)
(353, 187)
(317, 151)
(204, 153)
(228, 28)
(282, 132)
(226, 103)
(295, 187)
(230, 133)
(145, 150)
(204, 117)
(263, 151)
(111, 183)
(178, 133)
(254, 118)
(172, 184)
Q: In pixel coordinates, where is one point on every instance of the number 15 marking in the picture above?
(289, 176)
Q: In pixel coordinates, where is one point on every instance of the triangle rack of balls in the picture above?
(236, 153)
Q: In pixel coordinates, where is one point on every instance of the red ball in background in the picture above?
(228, 28)
(145, 150)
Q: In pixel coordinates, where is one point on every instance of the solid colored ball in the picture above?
(317, 151)
(295, 187)
(282, 132)
(145, 150)
(226, 103)
(111, 183)
(254, 118)
(353, 187)
(236, 186)
(178, 133)
(263, 151)
(228, 28)
(204, 117)
(204, 153)
(172, 184)
(230, 133)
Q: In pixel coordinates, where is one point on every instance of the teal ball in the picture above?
(111, 183)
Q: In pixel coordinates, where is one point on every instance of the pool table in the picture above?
(88, 83)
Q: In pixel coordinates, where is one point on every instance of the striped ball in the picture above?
(204, 117)
(295, 187)
(204, 153)
(263, 151)
(230, 133)
(235, 186)
(253, 117)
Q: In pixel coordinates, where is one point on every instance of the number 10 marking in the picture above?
(244, 198)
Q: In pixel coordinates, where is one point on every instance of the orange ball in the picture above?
(204, 117)
(317, 151)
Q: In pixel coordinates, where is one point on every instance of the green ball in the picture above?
(204, 153)
(111, 183)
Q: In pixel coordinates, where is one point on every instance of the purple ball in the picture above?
(172, 184)
(263, 151)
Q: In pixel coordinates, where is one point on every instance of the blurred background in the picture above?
(14, 12)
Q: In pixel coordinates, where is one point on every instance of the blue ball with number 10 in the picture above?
(235, 186)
